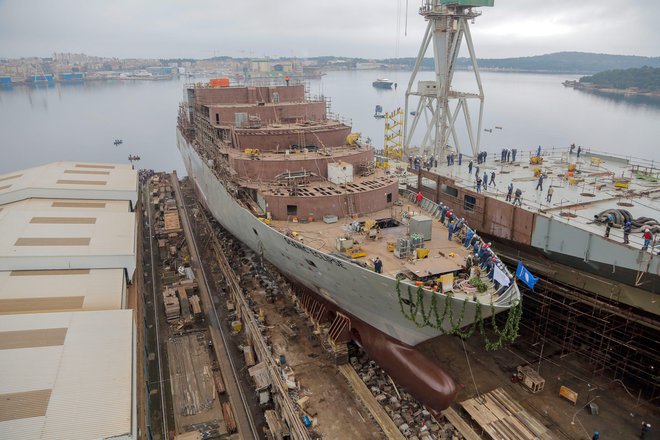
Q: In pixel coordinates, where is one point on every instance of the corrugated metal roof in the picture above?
(61, 290)
(70, 180)
(90, 377)
(58, 238)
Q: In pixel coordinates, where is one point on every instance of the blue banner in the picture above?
(525, 276)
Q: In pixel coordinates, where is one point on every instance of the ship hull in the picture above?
(360, 292)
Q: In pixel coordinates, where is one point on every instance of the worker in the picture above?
(469, 262)
(460, 159)
(549, 197)
(539, 185)
(286, 79)
(476, 171)
(478, 184)
(492, 178)
(419, 197)
(509, 192)
(518, 198)
(647, 238)
(514, 151)
(596, 436)
(646, 428)
(485, 181)
(468, 237)
(378, 265)
(470, 167)
(538, 151)
(450, 228)
(508, 155)
(627, 228)
(443, 213)
(579, 150)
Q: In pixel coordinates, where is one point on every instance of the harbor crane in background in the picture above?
(447, 27)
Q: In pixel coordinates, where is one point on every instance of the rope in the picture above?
(467, 358)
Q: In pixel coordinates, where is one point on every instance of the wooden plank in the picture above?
(457, 421)
(390, 430)
(501, 417)
(506, 400)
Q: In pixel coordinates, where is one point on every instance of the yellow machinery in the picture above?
(536, 160)
(393, 145)
(537, 172)
(422, 253)
(352, 138)
(621, 182)
(382, 162)
(391, 245)
(252, 152)
(355, 252)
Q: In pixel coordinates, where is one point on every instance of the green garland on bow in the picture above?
(440, 309)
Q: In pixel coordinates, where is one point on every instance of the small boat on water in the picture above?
(378, 114)
(382, 83)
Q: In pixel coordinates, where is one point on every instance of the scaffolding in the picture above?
(393, 146)
(614, 341)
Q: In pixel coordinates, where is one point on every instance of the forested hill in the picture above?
(566, 62)
(644, 78)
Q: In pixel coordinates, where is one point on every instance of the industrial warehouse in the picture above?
(68, 332)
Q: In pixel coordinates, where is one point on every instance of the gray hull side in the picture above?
(599, 254)
(364, 294)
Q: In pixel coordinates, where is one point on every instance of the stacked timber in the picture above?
(228, 415)
(196, 306)
(219, 382)
(185, 304)
(172, 307)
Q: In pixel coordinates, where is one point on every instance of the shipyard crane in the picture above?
(447, 28)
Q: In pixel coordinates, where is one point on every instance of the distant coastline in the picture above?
(630, 91)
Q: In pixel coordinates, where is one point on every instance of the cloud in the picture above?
(202, 28)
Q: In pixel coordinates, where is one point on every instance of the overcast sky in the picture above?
(356, 28)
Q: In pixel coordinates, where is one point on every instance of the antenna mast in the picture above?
(447, 27)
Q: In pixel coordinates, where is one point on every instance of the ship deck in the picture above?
(592, 192)
(444, 256)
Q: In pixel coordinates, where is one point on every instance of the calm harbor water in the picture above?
(80, 122)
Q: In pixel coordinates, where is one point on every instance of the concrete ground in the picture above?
(620, 414)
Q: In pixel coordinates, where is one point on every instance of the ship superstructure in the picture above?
(302, 190)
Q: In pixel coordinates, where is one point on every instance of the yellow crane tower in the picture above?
(393, 146)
